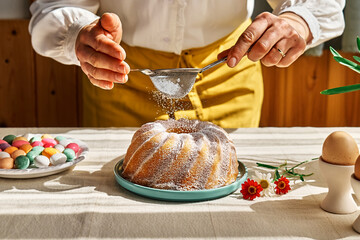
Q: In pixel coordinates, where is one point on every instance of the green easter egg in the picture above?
(32, 155)
(35, 139)
(37, 149)
(59, 138)
(9, 138)
(22, 162)
(70, 154)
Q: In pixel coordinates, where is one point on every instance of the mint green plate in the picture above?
(181, 196)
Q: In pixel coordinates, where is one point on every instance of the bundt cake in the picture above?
(180, 155)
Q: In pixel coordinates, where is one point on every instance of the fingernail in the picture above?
(119, 78)
(106, 86)
(121, 68)
(110, 86)
(232, 62)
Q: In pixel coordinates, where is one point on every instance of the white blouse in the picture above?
(167, 25)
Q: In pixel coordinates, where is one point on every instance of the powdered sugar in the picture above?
(187, 155)
(174, 84)
(170, 86)
(170, 106)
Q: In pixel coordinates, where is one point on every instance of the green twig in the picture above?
(334, 52)
(344, 89)
(266, 166)
(352, 65)
(348, 63)
(357, 58)
(287, 171)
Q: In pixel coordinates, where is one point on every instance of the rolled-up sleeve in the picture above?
(324, 17)
(54, 27)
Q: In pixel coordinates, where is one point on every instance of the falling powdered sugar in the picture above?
(169, 105)
(172, 88)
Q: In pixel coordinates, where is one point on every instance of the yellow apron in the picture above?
(228, 97)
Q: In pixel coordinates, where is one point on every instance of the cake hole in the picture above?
(180, 130)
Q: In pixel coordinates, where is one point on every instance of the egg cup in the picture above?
(339, 199)
(355, 183)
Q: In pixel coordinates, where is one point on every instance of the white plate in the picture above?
(41, 172)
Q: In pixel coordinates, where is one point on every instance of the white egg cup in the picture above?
(339, 199)
(356, 187)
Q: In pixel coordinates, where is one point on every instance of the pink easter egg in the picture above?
(73, 146)
(37, 143)
(49, 140)
(19, 143)
(49, 145)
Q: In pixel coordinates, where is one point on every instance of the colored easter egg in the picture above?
(4, 145)
(58, 158)
(9, 138)
(38, 149)
(48, 152)
(73, 146)
(48, 145)
(41, 161)
(10, 149)
(26, 147)
(22, 162)
(32, 155)
(65, 142)
(35, 139)
(59, 147)
(49, 141)
(20, 138)
(4, 155)
(27, 136)
(59, 138)
(17, 153)
(37, 143)
(46, 136)
(70, 154)
(19, 143)
(7, 163)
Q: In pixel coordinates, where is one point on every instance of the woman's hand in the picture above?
(100, 55)
(274, 40)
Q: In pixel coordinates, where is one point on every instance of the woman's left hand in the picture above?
(274, 40)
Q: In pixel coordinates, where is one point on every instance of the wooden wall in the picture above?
(292, 95)
(34, 90)
(39, 92)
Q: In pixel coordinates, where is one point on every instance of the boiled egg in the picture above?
(340, 148)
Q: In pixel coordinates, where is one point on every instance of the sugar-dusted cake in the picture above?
(180, 155)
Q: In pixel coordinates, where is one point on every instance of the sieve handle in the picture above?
(213, 64)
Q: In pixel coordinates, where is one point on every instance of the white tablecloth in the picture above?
(87, 202)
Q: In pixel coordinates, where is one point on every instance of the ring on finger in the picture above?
(281, 52)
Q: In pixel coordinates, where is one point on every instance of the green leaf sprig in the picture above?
(350, 64)
(284, 170)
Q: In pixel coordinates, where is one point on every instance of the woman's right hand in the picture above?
(100, 55)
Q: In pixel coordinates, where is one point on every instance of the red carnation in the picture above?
(282, 185)
(250, 189)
